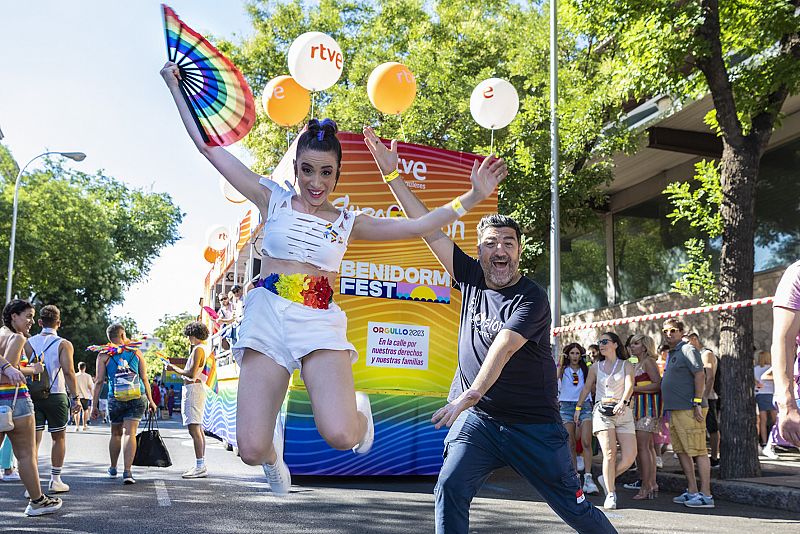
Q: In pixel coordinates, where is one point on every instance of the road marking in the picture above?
(161, 493)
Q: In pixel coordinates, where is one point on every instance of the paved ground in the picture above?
(236, 500)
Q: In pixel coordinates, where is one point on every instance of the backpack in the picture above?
(126, 382)
(39, 386)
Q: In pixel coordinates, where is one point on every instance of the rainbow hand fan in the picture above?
(217, 94)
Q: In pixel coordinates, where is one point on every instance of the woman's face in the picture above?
(22, 322)
(637, 349)
(607, 346)
(574, 356)
(316, 175)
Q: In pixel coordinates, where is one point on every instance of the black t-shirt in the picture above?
(526, 390)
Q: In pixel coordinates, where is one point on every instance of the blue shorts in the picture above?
(764, 402)
(132, 410)
(23, 407)
(567, 411)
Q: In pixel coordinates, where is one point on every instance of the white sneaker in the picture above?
(278, 476)
(11, 477)
(196, 472)
(659, 463)
(57, 486)
(580, 462)
(363, 406)
(589, 487)
(610, 502)
(770, 453)
(47, 505)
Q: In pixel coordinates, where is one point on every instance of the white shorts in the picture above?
(193, 401)
(286, 331)
(102, 405)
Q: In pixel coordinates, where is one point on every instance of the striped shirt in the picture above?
(7, 390)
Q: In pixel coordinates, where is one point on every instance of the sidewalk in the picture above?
(777, 487)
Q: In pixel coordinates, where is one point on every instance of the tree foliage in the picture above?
(81, 241)
(451, 46)
(170, 332)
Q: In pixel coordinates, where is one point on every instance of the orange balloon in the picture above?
(210, 255)
(392, 88)
(285, 101)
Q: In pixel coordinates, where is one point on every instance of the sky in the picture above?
(84, 76)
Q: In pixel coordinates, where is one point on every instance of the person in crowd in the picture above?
(786, 354)
(647, 409)
(661, 439)
(56, 353)
(711, 365)
(237, 306)
(170, 400)
(503, 404)
(682, 389)
(305, 239)
(17, 321)
(102, 403)
(765, 389)
(193, 397)
(612, 419)
(155, 389)
(593, 352)
(572, 375)
(225, 319)
(7, 471)
(85, 383)
(128, 398)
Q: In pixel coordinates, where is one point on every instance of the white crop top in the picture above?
(295, 236)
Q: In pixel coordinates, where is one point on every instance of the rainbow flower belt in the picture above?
(312, 291)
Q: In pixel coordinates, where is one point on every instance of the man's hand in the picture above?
(95, 412)
(698, 414)
(153, 407)
(789, 426)
(447, 415)
(76, 406)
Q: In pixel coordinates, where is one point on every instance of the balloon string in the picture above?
(313, 101)
(288, 138)
(403, 130)
(491, 150)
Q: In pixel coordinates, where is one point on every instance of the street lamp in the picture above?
(75, 156)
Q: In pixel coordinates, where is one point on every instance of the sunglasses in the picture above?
(604, 341)
(670, 330)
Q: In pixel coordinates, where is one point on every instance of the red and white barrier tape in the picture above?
(662, 315)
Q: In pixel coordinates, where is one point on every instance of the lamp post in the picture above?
(75, 156)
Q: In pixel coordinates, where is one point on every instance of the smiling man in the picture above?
(503, 408)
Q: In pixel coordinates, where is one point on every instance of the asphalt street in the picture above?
(235, 499)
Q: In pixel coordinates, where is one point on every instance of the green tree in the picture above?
(82, 240)
(170, 332)
(451, 46)
(745, 54)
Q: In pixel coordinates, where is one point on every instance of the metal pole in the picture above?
(555, 237)
(14, 225)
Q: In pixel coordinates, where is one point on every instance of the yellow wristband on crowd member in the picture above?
(697, 400)
(578, 408)
(458, 207)
(391, 176)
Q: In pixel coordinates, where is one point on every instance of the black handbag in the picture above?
(150, 448)
(607, 408)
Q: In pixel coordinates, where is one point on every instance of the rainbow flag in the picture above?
(210, 372)
(115, 350)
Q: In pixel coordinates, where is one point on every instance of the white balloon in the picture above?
(230, 193)
(315, 61)
(217, 238)
(494, 103)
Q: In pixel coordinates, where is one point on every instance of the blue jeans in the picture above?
(476, 446)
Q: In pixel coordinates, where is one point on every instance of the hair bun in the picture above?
(323, 128)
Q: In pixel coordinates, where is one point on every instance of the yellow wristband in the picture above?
(578, 408)
(697, 400)
(391, 176)
(458, 207)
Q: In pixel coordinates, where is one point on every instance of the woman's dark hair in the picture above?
(581, 362)
(196, 329)
(16, 306)
(321, 136)
(622, 354)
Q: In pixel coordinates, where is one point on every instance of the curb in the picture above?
(763, 495)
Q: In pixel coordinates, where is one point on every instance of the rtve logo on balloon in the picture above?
(333, 56)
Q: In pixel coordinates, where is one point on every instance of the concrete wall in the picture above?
(706, 324)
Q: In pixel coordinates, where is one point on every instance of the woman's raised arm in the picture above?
(236, 172)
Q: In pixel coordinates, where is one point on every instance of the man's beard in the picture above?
(500, 277)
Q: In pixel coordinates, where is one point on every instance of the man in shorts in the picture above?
(53, 411)
(711, 364)
(193, 397)
(682, 389)
(85, 386)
